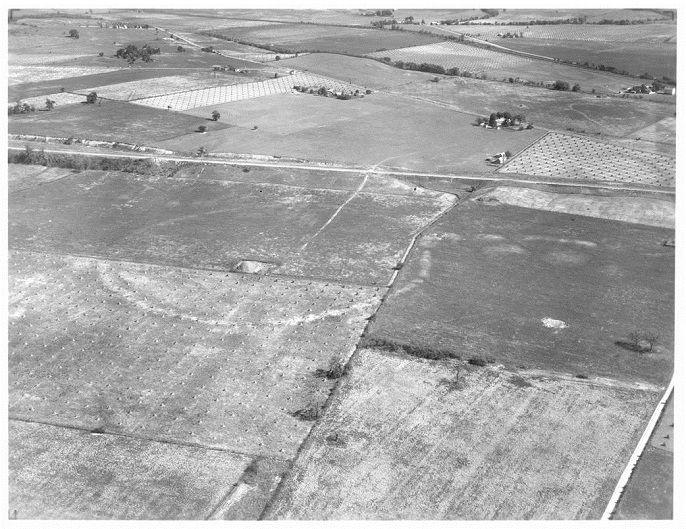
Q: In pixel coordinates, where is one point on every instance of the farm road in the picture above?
(342, 169)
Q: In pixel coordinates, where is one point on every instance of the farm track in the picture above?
(343, 169)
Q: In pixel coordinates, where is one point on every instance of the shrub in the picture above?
(477, 361)
(576, 88)
(74, 34)
(202, 128)
(309, 413)
(215, 115)
(101, 54)
(429, 353)
(92, 98)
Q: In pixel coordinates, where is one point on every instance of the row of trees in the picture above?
(563, 86)
(504, 119)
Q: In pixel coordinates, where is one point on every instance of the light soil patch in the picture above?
(61, 473)
(579, 158)
(33, 74)
(401, 440)
(214, 359)
(639, 210)
(225, 94)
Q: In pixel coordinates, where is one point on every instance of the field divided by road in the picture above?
(579, 158)
(403, 439)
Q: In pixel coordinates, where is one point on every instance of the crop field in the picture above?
(499, 65)
(645, 33)
(579, 158)
(60, 99)
(598, 279)
(109, 121)
(331, 39)
(401, 441)
(664, 131)
(203, 97)
(331, 234)
(319, 128)
(175, 354)
(636, 209)
(34, 74)
(592, 15)
(551, 109)
(657, 59)
(454, 54)
(365, 72)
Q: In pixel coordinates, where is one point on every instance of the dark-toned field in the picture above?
(332, 39)
(110, 121)
(496, 280)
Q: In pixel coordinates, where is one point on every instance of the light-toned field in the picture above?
(32, 74)
(61, 473)
(371, 131)
(21, 177)
(664, 131)
(399, 442)
(579, 158)
(60, 99)
(639, 210)
(592, 15)
(454, 54)
(203, 97)
(207, 358)
(646, 33)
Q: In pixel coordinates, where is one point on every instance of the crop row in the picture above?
(564, 156)
(454, 55)
(225, 94)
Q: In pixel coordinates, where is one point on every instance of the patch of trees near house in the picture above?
(503, 119)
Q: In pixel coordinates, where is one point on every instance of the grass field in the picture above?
(370, 131)
(640, 210)
(216, 223)
(305, 37)
(111, 121)
(550, 108)
(602, 278)
(644, 33)
(400, 441)
(579, 158)
(592, 15)
(175, 354)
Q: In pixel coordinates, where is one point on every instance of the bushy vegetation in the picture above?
(144, 166)
(21, 108)
(386, 344)
(132, 53)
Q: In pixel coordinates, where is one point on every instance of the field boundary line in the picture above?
(143, 438)
(638, 452)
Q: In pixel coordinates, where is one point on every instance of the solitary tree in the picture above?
(492, 120)
(92, 98)
(576, 88)
(202, 128)
(49, 104)
(215, 115)
(561, 85)
(180, 49)
(74, 34)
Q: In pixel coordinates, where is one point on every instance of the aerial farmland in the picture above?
(342, 264)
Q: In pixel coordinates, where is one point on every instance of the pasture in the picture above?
(551, 109)
(109, 121)
(371, 131)
(602, 279)
(592, 15)
(401, 440)
(215, 223)
(580, 158)
(332, 39)
(643, 33)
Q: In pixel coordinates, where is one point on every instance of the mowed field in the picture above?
(401, 441)
(551, 109)
(110, 121)
(580, 158)
(371, 131)
(335, 234)
(332, 39)
(538, 289)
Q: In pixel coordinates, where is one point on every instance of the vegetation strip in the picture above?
(640, 447)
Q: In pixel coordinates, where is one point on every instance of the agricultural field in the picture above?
(592, 15)
(651, 211)
(643, 33)
(370, 131)
(192, 99)
(402, 440)
(109, 121)
(330, 234)
(37, 73)
(580, 158)
(332, 39)
(557, 273)
(607, 117)
(500, 65)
